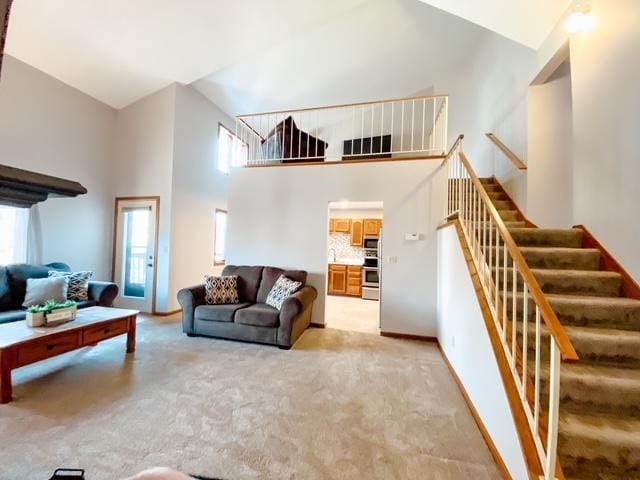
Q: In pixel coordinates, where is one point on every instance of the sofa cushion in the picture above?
(19, 273)
(218, 313)
(221, 290)
(270, 276)
(258, 315)
(6, 300)
(12, 316)
(248, 281)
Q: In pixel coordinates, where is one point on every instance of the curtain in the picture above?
(14, 225)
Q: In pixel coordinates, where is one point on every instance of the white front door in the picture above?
(135, 253)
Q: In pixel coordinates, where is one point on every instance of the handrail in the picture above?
(453, 147)
(342, 105)
(511, 290)
(556, 329)
(519, 164)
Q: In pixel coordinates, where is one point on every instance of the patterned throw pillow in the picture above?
(221, 290)
(283, 288)
(78, 288)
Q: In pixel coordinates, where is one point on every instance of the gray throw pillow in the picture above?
(283, 288)
(40, 290)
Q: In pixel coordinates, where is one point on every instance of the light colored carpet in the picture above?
(353, 314)
(339, 405)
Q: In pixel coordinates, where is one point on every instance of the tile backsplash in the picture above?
(341, 243)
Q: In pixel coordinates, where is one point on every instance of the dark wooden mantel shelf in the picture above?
(21, 188)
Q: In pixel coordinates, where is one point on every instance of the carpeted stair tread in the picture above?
(573, 282)
(502, 205)
(579, 282)
(599, 346)
(587, 389)
(561, 258)
(510, 215)
(609, 312)
(606, 346)
(547, 237)
(497, 195)
(596, 312)
(593, 445)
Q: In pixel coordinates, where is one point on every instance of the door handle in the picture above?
(149, 264)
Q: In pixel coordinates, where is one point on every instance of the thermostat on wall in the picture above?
(412, 237)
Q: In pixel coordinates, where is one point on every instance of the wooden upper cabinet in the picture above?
(342, 225)
(372, 226)
(357, 232)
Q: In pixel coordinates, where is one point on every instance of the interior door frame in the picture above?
(155, 199)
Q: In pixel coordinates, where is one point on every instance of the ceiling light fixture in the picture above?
(579, 22)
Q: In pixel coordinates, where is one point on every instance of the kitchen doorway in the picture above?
(134, 252)
(354, 266)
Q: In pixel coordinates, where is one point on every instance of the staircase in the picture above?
(599, 426)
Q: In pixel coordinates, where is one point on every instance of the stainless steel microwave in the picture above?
(371, 243)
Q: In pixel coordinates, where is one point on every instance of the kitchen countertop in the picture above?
(347, 261)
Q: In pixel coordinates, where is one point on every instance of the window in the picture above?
(14, 224)
(232, 152)
(219, 236)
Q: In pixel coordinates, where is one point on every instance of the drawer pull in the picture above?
(106, 330)
(50, 346)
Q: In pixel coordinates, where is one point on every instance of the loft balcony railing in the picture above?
(391, 129)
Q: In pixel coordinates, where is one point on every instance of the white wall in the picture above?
(606, 111)
(49, 127)
(464, 339)
(198, 188)
(279, 216)
(550, 164)
(142, 166)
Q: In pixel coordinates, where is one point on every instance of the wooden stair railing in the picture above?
(494, 251)
(519, 164)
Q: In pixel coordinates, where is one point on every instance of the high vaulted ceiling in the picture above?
(527, 22)
(249, 55)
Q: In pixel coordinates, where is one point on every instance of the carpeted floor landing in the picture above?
(339, 405)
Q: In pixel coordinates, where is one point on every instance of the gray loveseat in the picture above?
(250, 320)
(13, 285)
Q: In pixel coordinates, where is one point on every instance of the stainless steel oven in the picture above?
(370, 277)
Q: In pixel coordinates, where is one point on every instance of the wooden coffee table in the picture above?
(21, 345)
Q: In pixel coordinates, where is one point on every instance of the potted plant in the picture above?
(51, 313)
(35, 316)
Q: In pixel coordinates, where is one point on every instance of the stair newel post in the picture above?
(554, 411)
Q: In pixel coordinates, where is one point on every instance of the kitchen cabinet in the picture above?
(342, 225)
(332, 227)
(345, 280)
(354, 281)
(372, 226)
(357, 232)
(337, 279)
